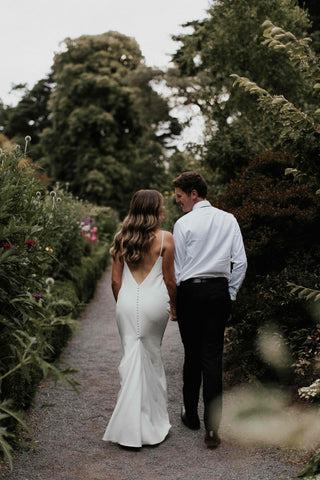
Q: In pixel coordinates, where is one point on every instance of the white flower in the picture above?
(27, 140)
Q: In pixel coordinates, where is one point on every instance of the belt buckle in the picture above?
(197, 280)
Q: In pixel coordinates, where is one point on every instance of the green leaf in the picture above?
(312, 294)
(6, 447)
(303, 292)
(4, 406)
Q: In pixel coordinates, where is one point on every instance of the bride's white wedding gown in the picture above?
(140, 416)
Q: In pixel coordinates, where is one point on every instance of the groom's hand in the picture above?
(173, 314)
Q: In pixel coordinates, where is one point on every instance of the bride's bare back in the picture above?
(149, 258)
(142, 270)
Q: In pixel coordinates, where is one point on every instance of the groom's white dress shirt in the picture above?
(208, 243)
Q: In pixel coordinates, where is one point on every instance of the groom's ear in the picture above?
(194, 194)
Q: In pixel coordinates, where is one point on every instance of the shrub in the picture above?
(278, 219)
(48, 270)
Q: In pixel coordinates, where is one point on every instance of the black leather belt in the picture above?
(204, 280)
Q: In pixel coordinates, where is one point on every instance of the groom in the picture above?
(210, 265)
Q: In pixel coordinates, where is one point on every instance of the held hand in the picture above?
(173, 314)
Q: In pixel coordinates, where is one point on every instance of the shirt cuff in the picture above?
(233, 294)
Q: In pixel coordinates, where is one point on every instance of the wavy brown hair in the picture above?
(139, 226)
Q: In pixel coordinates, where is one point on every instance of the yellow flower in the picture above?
(49, 249)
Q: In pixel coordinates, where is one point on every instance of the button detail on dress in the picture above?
(138, 310)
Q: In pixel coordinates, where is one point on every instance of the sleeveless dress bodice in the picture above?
(140, 416)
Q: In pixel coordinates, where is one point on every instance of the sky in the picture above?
(31, 31)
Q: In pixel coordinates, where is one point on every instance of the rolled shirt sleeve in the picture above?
(180, 251)
(238, 261)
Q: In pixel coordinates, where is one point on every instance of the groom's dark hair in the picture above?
(189, 181)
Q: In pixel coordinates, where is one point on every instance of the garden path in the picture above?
(67, 428)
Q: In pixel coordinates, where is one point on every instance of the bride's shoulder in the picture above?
(167, 238)
(166, 233)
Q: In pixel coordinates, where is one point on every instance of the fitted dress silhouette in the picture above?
(140, 416)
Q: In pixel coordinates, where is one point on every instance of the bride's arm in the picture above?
(116, 276)
(168, 272)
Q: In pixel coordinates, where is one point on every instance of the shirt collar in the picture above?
(203, 203)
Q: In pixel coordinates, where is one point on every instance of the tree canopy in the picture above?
(97, 122)
(93, 142)
(229, 41)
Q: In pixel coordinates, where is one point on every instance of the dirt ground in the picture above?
(67, 427)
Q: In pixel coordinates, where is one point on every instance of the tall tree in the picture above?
(157, 126)
(229, 41)
(101, 131)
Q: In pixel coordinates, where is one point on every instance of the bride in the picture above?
(144, 287)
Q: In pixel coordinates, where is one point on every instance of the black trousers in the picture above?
(202, 310)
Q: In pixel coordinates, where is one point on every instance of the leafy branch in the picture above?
(35, 357)
(4, 434)
(304, 292)
(294, 121)
(31, 353)
(298, 50)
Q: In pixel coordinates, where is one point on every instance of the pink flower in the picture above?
(7, 245)
(37, 296)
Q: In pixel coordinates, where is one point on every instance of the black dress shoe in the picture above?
(212, 439)
(193, 424)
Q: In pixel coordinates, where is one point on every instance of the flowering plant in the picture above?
(41, 293)
(37, 296)
(29, 243)
(7, 245)
(89, 230)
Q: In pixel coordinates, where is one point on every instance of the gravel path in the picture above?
(67, 428)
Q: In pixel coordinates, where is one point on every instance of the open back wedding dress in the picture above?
(140, 416)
